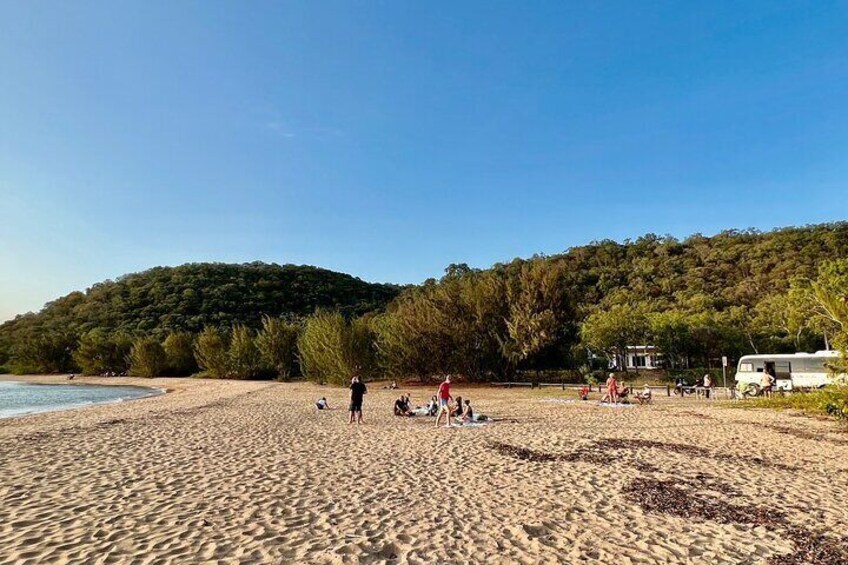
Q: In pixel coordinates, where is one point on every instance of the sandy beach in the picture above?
(250, 472)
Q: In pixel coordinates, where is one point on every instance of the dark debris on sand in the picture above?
(803, 434)
(693, 450)
(523, 453)
(590, 454)
(692, 414)
(684, 499)
(813, 547)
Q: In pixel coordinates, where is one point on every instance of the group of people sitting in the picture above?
(619, 392)
(460, 409)
(403, 406)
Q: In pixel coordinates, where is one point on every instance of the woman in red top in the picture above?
(444, 402)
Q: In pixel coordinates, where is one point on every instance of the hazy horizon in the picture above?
(389, 140)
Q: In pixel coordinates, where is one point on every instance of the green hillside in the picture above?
(698, 299)
(189, 297)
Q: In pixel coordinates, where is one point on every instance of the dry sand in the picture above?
(250, 472)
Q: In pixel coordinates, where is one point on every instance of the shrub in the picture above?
(210, 351)
(147, 358)
(277, 344)
(244, 359)
(830, 401)
(100, 352)
(179, 350)
(331, 350)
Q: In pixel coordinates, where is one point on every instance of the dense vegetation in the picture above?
(697, 299)
(830, 401)
(188, 298)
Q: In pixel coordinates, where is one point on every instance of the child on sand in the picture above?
(322, 404)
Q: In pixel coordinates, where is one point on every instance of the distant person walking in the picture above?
(357, 392)
(708, 385)
(445, 397)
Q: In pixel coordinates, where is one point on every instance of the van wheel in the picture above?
(751, 390)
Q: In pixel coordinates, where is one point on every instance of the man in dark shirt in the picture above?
(357, 391)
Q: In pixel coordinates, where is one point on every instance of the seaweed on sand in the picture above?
(683, 499)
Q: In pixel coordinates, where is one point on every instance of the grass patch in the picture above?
(830, 401)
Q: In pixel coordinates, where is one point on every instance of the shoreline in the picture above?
(38, 380)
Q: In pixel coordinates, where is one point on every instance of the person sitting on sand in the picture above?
(467, 412)
(644, 397)
(584, 393)
(402, 407)
(457, 411)
(433, 407)
(322, 404)
(623, 392)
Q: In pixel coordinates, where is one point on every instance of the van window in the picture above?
(746, 367)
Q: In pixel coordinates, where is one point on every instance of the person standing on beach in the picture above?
(612, 388)
(766, 382)
(357, 391)
(444, 402)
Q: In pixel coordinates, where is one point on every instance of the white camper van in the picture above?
(797, 370)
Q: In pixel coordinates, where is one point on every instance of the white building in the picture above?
(641, 357)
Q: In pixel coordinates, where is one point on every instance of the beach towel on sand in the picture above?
(558, 401)
(471, 424)
(617, 405)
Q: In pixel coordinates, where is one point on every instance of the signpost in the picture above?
(724, 369)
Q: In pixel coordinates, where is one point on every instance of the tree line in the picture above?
(697, 300)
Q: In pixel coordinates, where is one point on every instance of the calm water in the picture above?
(25, 398)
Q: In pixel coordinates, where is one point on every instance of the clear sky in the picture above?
(389, 139)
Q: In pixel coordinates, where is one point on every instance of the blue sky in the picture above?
(389, 139)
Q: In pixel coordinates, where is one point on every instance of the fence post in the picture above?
(668, 390)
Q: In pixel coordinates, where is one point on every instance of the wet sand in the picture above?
(233, 471)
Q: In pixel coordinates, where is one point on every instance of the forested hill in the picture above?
(195, 295)
(697, 299)
(732, 268)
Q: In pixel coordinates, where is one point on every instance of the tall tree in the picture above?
(332, 350)
(210, 350)
(100, 352)
(277, 343)
(179, 350)
(147, 357)
(611, 331)
(245, 361)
